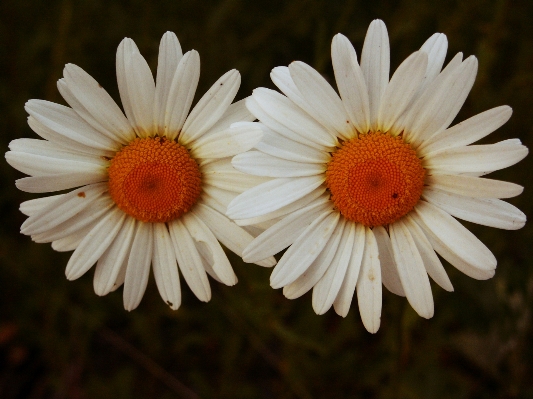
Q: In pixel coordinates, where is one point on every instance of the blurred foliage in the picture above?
(59, 340)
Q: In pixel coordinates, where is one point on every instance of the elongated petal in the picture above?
(235, 238)
(413, 275)
(170, 54)
(444, 104)
(344, 298)
(389, 268)
(281, 147)
(327, 289)
(65, 122)
(63, 181)
(430, 259)
(375, 65)
(211, 106)
(294, 123)
(181, 93)
(326, 105)
(402, 87)
(281, 76)
(474, 186)
(261, 164)
(138, 269)
(304, 250)
(110, 263)
(165, 267)
(94, 244)
(217, 257)
(482, 159)
(240, 137)
(435, 47)
(369, 285)
(101, 111)
(63, 208)
(455, 241)
(312, 275)
(33, 206)
(274, 195)
(468, 131)
(486, 211)
(351, 84)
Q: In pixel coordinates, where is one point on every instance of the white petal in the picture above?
(218, 260)
(430, 259)
(124, 51)
(482, 159)
(485, 211)
(33, 206)
(389, 268)
(474, 186)
(327, 289)
(304, 250)
(62, 209)
(64, 181)
(369, 285)
(435, 47)
(402, 87)
(454, 242)
(326, 105)
(165, 266)
(72, 241)
(227, 232)
(65, 122)
(45, 165)
(288, 209)
(413, 275)
(189, 261)
(181, 93)
(279, 146)
(312, 275)
(272, 195)
(64, 142)
(351, 84)
(375, 64)
(344, 298)
(240, 137)
(468, 131)
(442, 106)
(281, 76)
(223, 175)
(94, 244)
(141, 92)
(289, 120)
(138, 269)
(260, 164)
(170, 54)
(90, 214)
(110, 263)
(211, 107)
(236, 112)
(283, 233)
(101, 111)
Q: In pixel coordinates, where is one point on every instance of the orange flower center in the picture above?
(375, 179)
(154, 180)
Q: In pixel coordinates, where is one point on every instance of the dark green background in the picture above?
(59, 340)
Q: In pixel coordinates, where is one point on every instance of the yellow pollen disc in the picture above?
(375, 179)
(154, 180)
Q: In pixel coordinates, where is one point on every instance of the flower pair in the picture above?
(363, 187)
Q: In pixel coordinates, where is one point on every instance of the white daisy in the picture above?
(153, 185)
(366, 186)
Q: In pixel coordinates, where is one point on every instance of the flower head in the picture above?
(153, 183)
(365, 186)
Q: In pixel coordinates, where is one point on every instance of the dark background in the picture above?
(59, 340)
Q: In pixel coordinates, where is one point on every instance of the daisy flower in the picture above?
(365, 187)
(151, 183)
